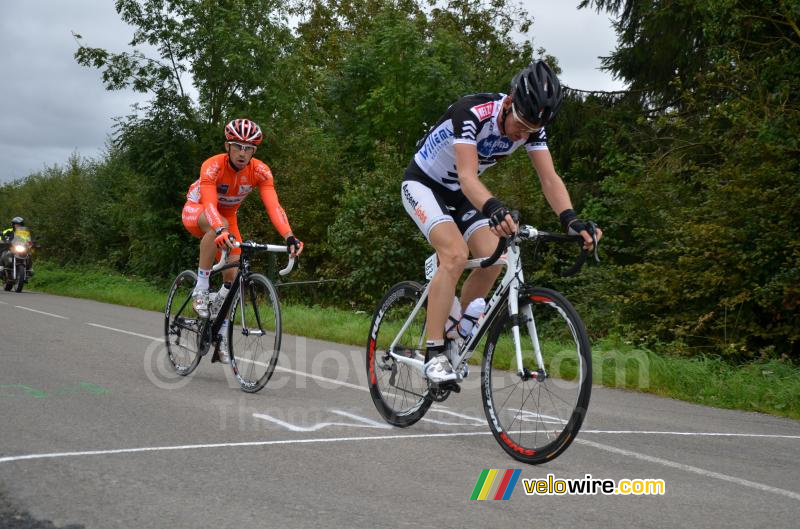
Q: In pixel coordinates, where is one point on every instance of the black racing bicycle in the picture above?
(254, 332)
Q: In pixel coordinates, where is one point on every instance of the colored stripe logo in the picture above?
(494, 484)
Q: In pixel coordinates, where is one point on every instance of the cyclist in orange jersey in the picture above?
(213, 200)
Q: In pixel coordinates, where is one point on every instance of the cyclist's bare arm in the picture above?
(467, 167)
(553, 187)
(473, 188)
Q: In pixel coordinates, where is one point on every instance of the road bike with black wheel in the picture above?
(251, 305)
(536, 373)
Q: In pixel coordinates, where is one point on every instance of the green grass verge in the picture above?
(770, 387)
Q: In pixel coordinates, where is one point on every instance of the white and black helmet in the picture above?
(536, 93)
(17, 221)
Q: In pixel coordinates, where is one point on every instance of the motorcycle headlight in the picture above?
(19, 248)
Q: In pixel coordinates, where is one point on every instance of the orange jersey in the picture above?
(221, 190)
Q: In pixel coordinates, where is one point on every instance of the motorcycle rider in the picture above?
(8, 234)
(8, 237)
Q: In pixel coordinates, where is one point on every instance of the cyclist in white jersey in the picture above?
(443, 194)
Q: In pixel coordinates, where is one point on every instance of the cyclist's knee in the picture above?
(453, 259)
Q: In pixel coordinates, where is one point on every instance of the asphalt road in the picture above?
(95, 435)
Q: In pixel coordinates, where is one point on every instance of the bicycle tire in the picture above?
(254, 334)
(537, 418)
(182, 325)
(399, 391)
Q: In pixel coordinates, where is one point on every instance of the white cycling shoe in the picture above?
(439, 370)
(452, 353)
(200, 302)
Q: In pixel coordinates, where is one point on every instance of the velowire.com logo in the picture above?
(494, 484)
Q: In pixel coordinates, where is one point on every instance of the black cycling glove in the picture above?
(292, 243)
(495, 211)
(573, 225)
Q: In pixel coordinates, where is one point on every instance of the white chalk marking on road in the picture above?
(459, 415)
(320, 425)
(692, 469)
(41, 312)
(447, 423)
(123, 331)
(365, 420)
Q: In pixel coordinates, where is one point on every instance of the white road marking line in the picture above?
(277, 368)
(123, 331)
(41, 312)
(318, 377)
(3, 303)
(689, 468)
(54, 455)
(698, 434)
(628, 453)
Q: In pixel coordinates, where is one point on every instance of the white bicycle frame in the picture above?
(511, 281)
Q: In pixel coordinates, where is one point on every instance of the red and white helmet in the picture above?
(243, 130)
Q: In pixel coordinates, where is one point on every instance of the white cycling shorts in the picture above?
(429, 208)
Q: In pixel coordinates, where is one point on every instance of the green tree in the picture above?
(393, 81)
(717, 167)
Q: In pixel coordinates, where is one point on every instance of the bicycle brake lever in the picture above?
(595, 242)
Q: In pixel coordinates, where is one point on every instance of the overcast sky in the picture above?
(51, 107)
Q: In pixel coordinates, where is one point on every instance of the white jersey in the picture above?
(471, 120)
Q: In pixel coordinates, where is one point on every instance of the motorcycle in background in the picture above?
(15, 260)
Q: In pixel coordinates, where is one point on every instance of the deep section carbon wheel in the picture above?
(399, 391)
(535, 413)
